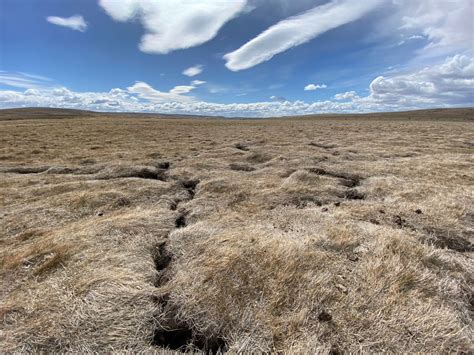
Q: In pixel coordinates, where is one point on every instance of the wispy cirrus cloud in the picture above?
(297, 30)
(446, 25)
(178, 24)
(75, 22)
(24, 80)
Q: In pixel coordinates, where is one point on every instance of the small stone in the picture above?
(360, 249)
(337, 204)
(418, 211)
(342, 288)
(353, 257)
(100, 214)
(324, 316)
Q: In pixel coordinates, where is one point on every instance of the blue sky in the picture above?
(250, 57)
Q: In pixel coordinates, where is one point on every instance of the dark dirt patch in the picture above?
(303, 201)
(162, 258)
(335, 351)
(322, 145)
(181, 221)
(163, 165)
(399, 221)
(174, 205)
(346, 179)
(242, 146)
(241, 167)
(190, 186)
(150, 173)
(179, 336)
(324, 316)
(349, 182)
(353, 194)
(444, 239)
(27, 169)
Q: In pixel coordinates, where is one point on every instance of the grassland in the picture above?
(329, 233)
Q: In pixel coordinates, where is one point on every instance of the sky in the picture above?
(249, 58)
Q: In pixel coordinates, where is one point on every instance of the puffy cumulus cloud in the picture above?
(177, 24)
(114, 100)
(297, 30)
(313, 87)
(348, 95)
(193, 71)
(75, 22)
(145, 91)
(447, 25)
(450, 82)
(444, 85)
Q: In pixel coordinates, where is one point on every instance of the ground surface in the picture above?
(325, 234)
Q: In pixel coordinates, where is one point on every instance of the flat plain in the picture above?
(307, 234)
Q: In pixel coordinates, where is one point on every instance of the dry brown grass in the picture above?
(295, 235)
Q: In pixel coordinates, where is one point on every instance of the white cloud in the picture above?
(193, 71)
(349, 95)
(197, 82)
(448, 84)
(182, 89)
(278, 98)
(297, 30)
(176, 24)
(446, 24)
(145, 91)
(313, 87)
(23, 80)
(75, 22)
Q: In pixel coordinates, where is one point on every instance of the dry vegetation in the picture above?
(294, 235)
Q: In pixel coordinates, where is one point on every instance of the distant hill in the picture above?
(449, 114)
(439, 114)
(43, 113)
(61, 113)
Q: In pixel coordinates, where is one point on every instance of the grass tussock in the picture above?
(293, 236)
